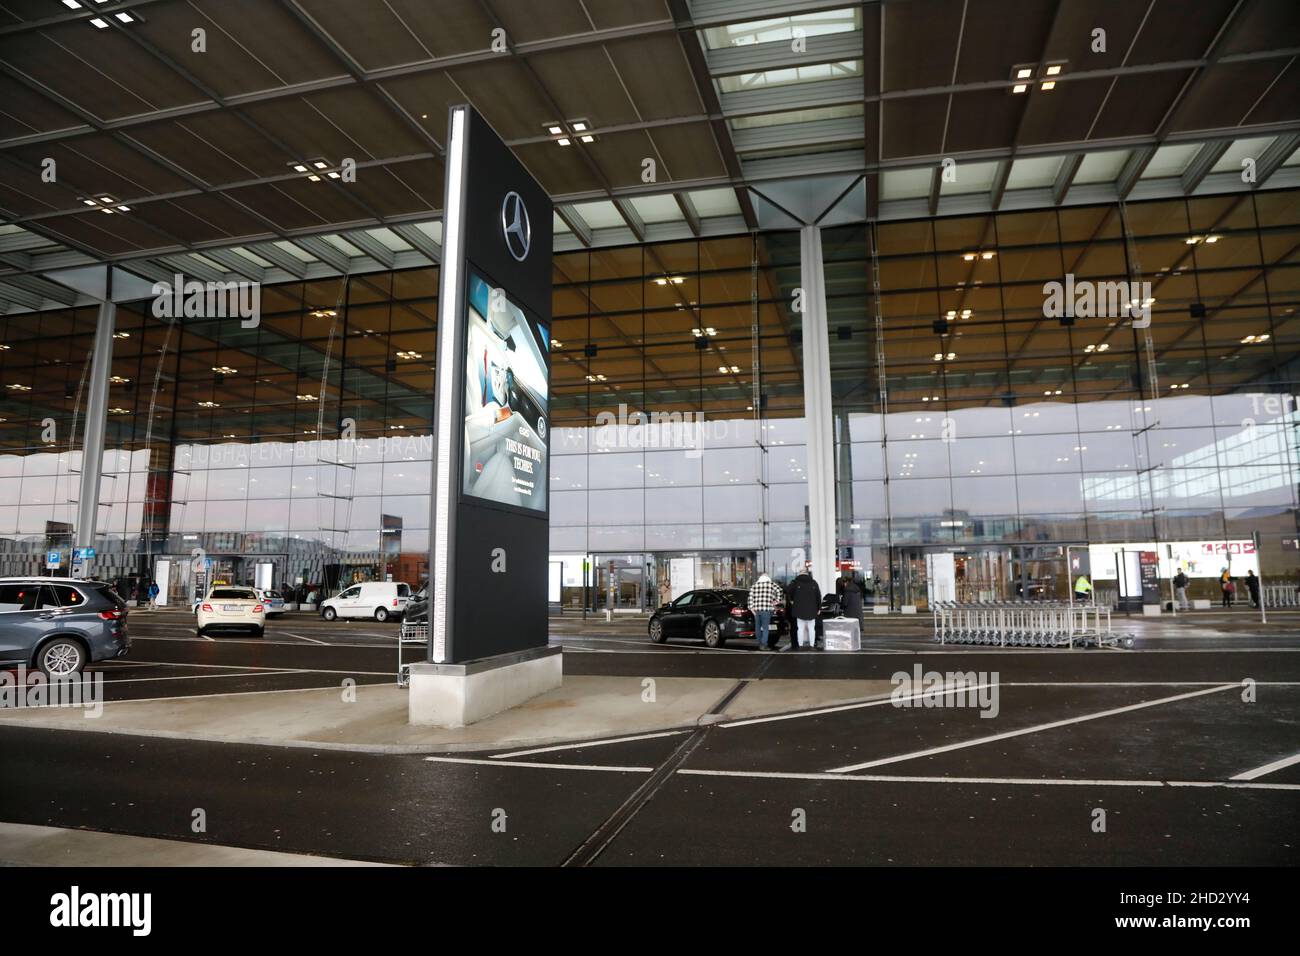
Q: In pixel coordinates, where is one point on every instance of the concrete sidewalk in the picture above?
(25, 845)
(376, 720)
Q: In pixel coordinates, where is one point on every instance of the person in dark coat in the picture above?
(1252, 585)
(804, 599)
(851, 599)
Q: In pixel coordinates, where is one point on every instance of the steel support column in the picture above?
(92, 445)
(817, 409)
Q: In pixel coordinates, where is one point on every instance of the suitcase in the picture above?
(842, 634)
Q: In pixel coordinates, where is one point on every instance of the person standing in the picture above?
(153, 595)
(804, 598)
(851, 601)
(764, 596)
(1226, 585)
(1252, 586)
(1083, 589)
(1180, 589)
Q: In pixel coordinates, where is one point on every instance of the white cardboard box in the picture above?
(841, 634)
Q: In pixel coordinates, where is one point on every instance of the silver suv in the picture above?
(60, 625)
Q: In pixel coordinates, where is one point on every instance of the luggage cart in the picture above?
(409, 634)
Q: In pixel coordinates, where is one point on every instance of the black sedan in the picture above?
(713, 615)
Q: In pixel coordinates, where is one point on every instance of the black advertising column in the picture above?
(491, 469)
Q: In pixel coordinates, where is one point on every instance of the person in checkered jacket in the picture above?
(764, 596)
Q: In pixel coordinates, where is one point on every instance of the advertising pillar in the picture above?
(489, 539)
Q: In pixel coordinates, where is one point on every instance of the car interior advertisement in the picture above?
(505, 401)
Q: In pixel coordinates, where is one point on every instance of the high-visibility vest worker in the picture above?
(1083, 587)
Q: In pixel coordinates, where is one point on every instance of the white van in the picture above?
(380, 600)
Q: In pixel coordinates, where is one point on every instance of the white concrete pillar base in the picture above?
(454, 695)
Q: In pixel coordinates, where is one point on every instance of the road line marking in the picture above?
(1031, 730)
(589, 743)
(285, 670)
(544, 766)
(305, 637)
(136, 680)
(987, 781)
(1269, 768)
(869, 702)
(151, 700)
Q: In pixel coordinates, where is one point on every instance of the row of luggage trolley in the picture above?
(1281, 595)
(1026, 624)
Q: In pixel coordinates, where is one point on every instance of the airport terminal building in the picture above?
(828, 324)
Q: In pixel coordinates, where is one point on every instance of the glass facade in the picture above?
(977, 439)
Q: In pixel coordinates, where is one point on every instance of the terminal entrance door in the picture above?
(1000, 572)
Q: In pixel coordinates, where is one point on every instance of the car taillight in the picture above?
(737, 612)
(257, 609)
(394, 602)
(207, 607)
(113, 615)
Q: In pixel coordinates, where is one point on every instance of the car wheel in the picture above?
(201, 631)
(712, 634)
(381, 614)
(61, 657)
(657, 632)
(260, 632)
(329, 614)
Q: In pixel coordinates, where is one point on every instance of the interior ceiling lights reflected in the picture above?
(972, 256)
(1193, 240)
(322, 313)
(1255, 339)
(665, 280)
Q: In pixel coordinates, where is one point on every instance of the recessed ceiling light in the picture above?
(72, 4)
(1054, 69)
(106, 199)
(1048, 86)
(1024, 73)
(564, 141)
(579, 126)
(89, 202)
(554, 130)
(314, 179)
(99, 23)
(589, 139)
(124, 17)
(1020, 88)
(1211, 238)
(319, 164)
(299, 167)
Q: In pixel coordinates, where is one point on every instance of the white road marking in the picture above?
(543, 766)
(1269, 768)
(869, 702)
(1031, 730)
(304, 637)
(589, 743)
(987, 781)
(137, 680)
(284, 670)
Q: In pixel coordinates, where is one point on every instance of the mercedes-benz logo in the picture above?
(515, 226)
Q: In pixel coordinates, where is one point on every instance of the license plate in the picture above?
(232, 607)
